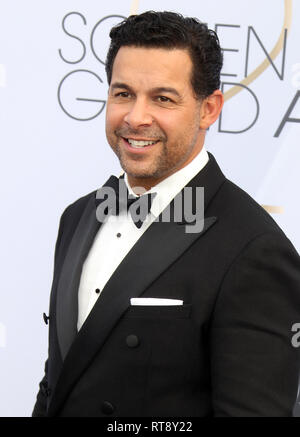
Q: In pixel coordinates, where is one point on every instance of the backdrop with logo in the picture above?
(53, 148)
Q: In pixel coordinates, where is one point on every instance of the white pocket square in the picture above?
(154, 301)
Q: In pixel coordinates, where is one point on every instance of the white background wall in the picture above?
(50, 156)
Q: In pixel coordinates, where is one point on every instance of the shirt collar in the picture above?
(168, 188)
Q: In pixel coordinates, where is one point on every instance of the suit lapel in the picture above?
(67, 290)
(154, 252)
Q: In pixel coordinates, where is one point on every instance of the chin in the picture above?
(135, 171)
(138, 174)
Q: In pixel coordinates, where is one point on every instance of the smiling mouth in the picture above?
(140, 144)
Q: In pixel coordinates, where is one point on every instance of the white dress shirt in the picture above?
(119, 234)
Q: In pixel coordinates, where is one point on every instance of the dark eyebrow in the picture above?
(120, 85)
(158, 90)
(164, 89)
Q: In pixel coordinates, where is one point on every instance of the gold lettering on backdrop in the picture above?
(134, 7)
(288, 8)
(272, 209)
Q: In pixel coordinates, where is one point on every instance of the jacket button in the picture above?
(132, 341)
(107, 408)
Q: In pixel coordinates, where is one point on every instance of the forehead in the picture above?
(152, 66)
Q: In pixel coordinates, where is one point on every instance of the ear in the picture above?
(211, 108)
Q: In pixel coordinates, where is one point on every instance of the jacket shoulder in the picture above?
(243, 211)
(68, 223)
(76, 208)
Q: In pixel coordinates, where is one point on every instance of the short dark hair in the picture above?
(172, 30)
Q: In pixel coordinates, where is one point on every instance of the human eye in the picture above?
(122, 94)
(164, 99)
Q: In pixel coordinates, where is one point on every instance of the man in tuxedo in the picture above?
(155, 317)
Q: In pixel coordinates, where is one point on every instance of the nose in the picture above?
(138, 114)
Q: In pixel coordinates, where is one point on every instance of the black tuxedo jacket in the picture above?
(226, 351)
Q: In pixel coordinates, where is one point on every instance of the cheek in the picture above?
(173, 123)
(166, 119)
(113, 118)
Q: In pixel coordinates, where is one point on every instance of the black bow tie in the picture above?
(139, 207)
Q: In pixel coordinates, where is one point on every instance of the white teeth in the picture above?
(140, 144)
